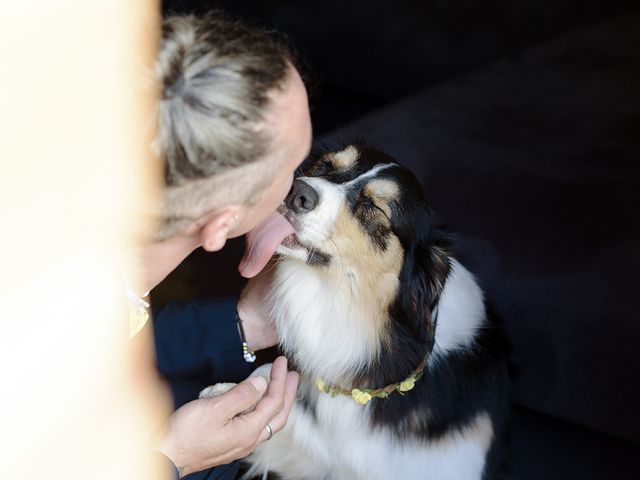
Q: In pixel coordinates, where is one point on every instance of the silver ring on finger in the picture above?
(269, 431)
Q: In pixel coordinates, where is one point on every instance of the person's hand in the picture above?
(259, 330)
(209, 432)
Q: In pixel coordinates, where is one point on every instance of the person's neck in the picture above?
(159, 259)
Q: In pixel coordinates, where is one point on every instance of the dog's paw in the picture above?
(222, 388)
(215, 390)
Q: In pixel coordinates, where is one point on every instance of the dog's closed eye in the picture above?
(381, 193)
(367, 202)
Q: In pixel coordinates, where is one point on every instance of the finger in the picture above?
(278, 422)
(264, 435)
(277, 384)
(242, 397)
(255, 426)
(273, 401)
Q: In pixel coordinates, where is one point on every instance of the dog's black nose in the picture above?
(302, 198)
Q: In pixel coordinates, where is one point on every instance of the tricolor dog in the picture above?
(403, 372)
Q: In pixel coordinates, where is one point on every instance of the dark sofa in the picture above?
(522, 121)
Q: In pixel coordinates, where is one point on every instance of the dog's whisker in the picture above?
(341, 269)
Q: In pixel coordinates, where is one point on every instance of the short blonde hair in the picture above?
(215, 76)
(184, 204)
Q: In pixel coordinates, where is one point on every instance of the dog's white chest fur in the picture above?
(336, 440)
(339, 444)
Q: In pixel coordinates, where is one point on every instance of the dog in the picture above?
(403, 373)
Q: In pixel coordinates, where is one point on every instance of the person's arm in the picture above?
(203, 334)
(199, 337)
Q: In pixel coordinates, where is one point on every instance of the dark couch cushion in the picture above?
(548, 448)
(535, 162)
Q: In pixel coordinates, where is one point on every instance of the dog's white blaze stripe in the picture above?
(461, 311)
(370, 174)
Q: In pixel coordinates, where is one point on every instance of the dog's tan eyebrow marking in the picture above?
(344, 159)
(382, 192)
(385, 189)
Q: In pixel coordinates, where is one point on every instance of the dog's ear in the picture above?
(422, 279)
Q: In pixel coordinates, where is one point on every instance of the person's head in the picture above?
(233, 126)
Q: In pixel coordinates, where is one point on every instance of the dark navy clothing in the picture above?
(197, 345)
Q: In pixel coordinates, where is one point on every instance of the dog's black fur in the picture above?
(455, 387)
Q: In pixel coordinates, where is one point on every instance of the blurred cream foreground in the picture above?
(79, 400)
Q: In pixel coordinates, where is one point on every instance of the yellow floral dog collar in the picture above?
(362, 396)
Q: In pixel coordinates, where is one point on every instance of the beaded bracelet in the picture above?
(249, 356)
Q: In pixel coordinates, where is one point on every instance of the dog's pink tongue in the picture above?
(262, 242)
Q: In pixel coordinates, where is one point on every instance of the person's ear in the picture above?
(216, 226)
